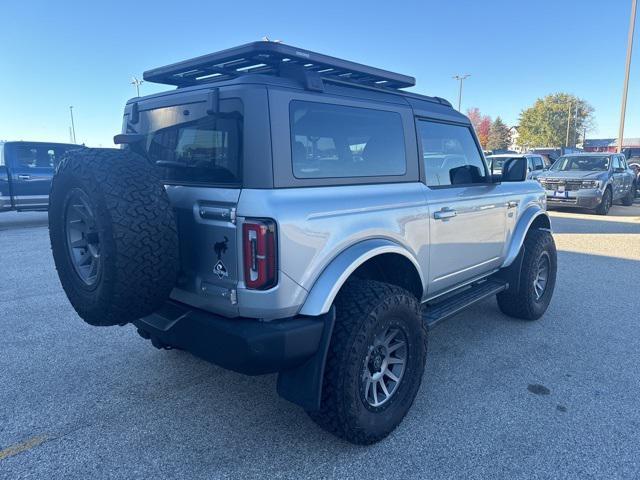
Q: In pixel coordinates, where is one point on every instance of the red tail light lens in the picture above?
(259, 248)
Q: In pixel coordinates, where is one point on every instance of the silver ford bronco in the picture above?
(284, 211)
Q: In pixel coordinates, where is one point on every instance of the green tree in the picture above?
(499, 135)
(545, 123)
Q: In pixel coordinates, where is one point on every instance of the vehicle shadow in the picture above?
(619, 220)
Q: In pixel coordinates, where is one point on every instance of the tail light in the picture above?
(259, 247)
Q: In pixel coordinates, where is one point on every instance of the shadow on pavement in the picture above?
(11, 220)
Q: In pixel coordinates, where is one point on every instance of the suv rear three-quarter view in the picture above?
(283, 211)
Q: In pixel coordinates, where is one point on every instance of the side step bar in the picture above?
(435, 312)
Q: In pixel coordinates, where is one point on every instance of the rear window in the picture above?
(333, 141)
(206, 150)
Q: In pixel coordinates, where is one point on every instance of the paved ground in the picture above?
(557, 398)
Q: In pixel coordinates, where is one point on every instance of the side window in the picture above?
(538, 164)
(333, 141)
(1, 155)
(206, 150)
(451, 156)
(616, 162)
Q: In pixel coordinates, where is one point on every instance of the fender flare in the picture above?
(530, 214)
(330, 281)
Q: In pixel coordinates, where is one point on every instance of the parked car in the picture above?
(286, 211)
(26, 169)
(589, 180)
(635, 166)
(535, 163)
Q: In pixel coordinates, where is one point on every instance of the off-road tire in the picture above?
(136, 231)
(522, 303)
(627, 200)
(363, 307)
(605, 204)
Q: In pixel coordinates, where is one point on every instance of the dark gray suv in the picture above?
(589, 180)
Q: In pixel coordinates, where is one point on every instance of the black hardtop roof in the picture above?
(272, 58)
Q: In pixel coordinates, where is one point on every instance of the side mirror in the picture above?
(514, 170)
(619, 170)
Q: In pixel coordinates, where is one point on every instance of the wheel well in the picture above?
(541, 221)
(392, 268)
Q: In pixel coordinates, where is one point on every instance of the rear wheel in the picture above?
(532, 296)
(113, 235)
(627, 200)
(375, 364)
(605, 204)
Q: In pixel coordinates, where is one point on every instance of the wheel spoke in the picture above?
(85, 260)
(384, 388)
(392, 334)
(395, 346)
(390, 374)
(81, 243)
(375, 393)
(393, 360)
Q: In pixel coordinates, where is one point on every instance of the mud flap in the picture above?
(303, 385)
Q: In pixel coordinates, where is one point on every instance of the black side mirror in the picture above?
(619, 170)
(514, 170)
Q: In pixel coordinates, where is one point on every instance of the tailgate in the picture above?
(208, 247)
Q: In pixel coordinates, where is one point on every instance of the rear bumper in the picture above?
(244, 345)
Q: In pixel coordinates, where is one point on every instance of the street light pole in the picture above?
(73, 126)
(461, 79)
(625, 89)
(566, 142)
(137, 82)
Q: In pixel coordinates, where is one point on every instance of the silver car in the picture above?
(283, 211)
(592, 181)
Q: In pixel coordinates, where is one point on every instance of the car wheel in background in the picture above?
(605, 204)
(627, 200)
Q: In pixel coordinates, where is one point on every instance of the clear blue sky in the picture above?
(60, 53)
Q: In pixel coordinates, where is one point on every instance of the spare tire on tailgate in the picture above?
(113, 235)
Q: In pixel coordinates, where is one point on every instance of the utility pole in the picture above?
(137, 82)
(73, 126)
(575, 128)
(461, 79)
(625, 88)
(566, 142)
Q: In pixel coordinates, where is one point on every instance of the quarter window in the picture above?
(450, 155)
(207, 150)
(333, 141)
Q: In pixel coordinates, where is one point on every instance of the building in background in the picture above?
(514, 139)
(609, 144)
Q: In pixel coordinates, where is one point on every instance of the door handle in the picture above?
(512, 204)
(24, 177)
(445, 213)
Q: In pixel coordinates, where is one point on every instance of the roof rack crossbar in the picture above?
(273, 58)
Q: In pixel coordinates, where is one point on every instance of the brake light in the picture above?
(259, 248)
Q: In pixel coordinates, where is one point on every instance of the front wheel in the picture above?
(532, 296)
(605, 203)
(375, 363)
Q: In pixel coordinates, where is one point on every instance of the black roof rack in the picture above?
(272, 58)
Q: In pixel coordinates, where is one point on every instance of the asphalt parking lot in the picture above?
(556, 398)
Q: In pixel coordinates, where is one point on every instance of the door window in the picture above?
(334, 141)
(538, 164)
(42, 156)
(450, 155)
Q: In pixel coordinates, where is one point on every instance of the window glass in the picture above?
(450, 154)
(538, 164)
(39, 155)
(207, 150)
(616, 162)
(333, 141)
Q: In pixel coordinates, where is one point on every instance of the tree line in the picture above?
(556, 120)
